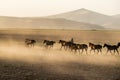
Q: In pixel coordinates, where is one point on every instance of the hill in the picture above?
(87, 16)
(116, 16)
(44, 23)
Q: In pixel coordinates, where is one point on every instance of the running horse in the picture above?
(82, 47)
(94, 47)
(30, 42)
(48, 43)
(63, 43)
(112, 48)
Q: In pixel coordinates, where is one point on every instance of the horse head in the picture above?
(104, 45)
(119, 44)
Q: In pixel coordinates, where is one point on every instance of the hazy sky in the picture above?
(23, 8)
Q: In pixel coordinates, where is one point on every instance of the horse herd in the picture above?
(75, 47)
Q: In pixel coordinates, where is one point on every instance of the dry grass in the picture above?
(20, 63)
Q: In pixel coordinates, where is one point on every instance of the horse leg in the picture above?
(97, 51)
(32, 45)
(114, 51)
(110, 52)
(66, 48)
(94, 51)
(71, 50)
(28, 45)
(75, 51)
(90, 51)
(101, 51)
(61, 47)
(82, 51)
(47, 46)
(79, 51)
(51, 46)
(117, 51)
(86, 50)
(107, 52)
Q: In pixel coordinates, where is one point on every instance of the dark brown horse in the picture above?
(73, 47)
(30, 42)
(69, 45)
(62, 42)
(82, 47)
(65, 44)
(111, 48)
(118, 44)
(94, 47)
(48, 43)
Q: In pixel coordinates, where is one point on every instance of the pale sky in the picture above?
(31, 8)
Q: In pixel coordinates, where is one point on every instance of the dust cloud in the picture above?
(18, 62)
(15, 51)
(54, 64)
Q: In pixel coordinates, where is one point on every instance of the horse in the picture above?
(65, 44)
(112, 47)
(30, 42)
(94, 47)
(82, 47)
(62, 42)
(73, 47)
(118, 44)
(69, 45)
(48, 43)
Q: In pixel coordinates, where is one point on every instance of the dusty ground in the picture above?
(20, 63)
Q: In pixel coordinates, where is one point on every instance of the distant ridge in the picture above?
(45, 23)
(88, 16)
(116, 16)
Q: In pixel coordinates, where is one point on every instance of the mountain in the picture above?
(44, 23)
(87, 16)
(116, 16)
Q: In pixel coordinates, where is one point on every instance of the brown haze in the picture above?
(21, 63)
(44, 23)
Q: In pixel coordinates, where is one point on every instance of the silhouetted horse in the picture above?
(73, 47)
(112, 47)
(65, 44)
(30, 42)
(48, 43)
(69, 45)
(94, 47)
(62, 42)
(118, 44)
(82, 47)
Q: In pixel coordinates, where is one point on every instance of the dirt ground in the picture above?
(18, 62)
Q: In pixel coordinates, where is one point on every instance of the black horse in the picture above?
(94, 47)
(82, 47)
(69, 45)
(118, 44)
(111, 48)
(30, 42)
(62, 42)
(66, 44)
(48, 43)
(73, 47)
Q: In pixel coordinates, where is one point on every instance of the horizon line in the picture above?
(58, 13)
